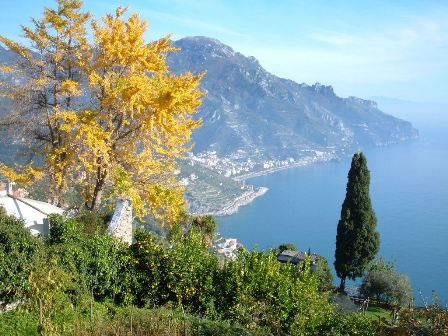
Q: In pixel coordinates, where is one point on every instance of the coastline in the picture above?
(268, 171)
(249, 196)
(244, 199)
(233, 206)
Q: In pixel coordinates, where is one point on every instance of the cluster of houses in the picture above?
(226, 248)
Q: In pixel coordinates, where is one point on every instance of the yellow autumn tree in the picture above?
(140, 122)
(44, 83)
(106, 114)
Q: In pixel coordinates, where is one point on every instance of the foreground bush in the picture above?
(430, 320)
(18, 250)
(101, 265)
(109, 320)
(19, 323)
(183, 273)
(340, 324)
(254, 294)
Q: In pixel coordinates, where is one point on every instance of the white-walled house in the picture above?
(33, 213)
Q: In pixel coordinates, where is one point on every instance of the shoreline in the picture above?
(233, 206)
(250, 196)
(276, 169)
(244, 199)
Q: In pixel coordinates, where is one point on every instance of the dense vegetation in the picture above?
(156, 276)
(167, 286)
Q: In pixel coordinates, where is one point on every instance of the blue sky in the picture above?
(363, 48)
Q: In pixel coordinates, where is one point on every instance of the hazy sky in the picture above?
(363, 48)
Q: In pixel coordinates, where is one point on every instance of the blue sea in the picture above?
(409, 192)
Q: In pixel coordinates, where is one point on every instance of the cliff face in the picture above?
(249, 112)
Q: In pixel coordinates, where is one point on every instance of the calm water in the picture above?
(409, 191)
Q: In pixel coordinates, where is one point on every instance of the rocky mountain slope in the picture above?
(250, 114)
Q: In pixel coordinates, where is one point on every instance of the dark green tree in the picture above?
(357, 241)
(287, 246)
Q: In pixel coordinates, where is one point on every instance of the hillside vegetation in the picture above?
(71, 268)
(89, 283)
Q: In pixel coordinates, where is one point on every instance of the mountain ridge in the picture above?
(251, 114)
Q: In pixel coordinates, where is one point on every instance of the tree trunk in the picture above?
(395, 312)
(342, 285)
(96, 199)
(98, 191)
(56, 194)
(60, 201)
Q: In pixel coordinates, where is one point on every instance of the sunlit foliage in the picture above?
(107, 113)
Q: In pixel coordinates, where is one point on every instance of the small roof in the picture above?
(295, 256)
(32, 212)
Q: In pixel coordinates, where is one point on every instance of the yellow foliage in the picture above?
(7, 69)
(71, 87)
(16, 47)
(24, 175)
(139, 118)
(143, 122)
(49, 84)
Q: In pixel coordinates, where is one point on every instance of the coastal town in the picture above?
(217, 185)
(241, 165)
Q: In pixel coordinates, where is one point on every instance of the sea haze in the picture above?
(409, 191)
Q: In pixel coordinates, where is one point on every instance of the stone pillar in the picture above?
(120, 226)
(9, 185)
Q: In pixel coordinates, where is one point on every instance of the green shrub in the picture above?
(323, 274)
(19, 323)
(109, 269)
(340, 324)
(256, 289)
(100, 263)
(287, 246)
(384, 283)
(182, 274)
(64, 230)
(92, 222)
(18, 251)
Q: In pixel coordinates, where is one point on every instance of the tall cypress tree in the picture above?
(357, 241)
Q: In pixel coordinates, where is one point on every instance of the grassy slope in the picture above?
(374, 313)
(109, 320)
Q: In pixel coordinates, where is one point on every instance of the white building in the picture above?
(33, 213)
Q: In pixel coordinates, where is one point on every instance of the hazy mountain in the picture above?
(249, 112)
(421, 114)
